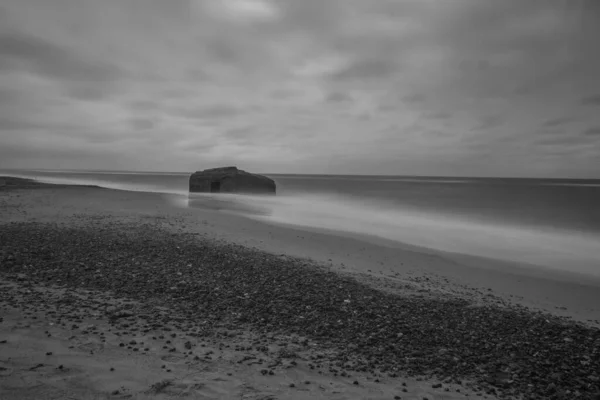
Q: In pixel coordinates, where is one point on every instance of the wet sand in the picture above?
(561, 293)
(107, 315)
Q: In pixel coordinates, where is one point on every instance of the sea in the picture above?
(549, 223)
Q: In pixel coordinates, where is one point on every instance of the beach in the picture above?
(119, 294)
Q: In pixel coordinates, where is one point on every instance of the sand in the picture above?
(43, 359)
(561, 293)
(81, 358)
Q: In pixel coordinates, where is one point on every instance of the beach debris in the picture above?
(159, 386)
(118, 314)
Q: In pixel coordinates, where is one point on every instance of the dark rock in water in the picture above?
(230, 180)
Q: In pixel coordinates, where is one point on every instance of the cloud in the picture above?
(215, 111)
(142, 124)
(239, 132)
(591, 100)
(200, 147)
(558, 140)
(365, 69)
(338, 97)
(145, 105)
(9, 96)
(19, 50)
(414, 98)
(441, 115)
(593, 131)
(384, 86)
(89, 91)
(557, 122)
(490, 121)
(16, 124)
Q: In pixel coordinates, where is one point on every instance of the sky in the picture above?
(402, 87)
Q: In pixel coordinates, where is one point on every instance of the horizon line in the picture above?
(295, 174)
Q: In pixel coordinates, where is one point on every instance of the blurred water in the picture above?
(552, 223)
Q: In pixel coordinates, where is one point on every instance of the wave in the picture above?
(105, 183)
(572, 184)
(425, 180)
(372, 178)
(558, 249)
(88, 172)
(565, 249)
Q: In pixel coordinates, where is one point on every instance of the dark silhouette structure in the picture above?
(230, 180)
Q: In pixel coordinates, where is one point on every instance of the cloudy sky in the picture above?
(432, 87)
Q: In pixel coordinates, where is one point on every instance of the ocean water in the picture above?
(552, 223)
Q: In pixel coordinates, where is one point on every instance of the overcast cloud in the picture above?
(440, 87)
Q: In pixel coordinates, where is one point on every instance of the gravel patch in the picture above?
(507, 352)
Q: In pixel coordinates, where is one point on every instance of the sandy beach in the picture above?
(115, 294)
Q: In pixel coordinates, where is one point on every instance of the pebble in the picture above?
(454, 339)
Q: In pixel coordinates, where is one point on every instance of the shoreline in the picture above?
(217, 266)
(534, 237)
(562, 293)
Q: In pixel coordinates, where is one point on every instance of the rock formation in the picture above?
(230, 180)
